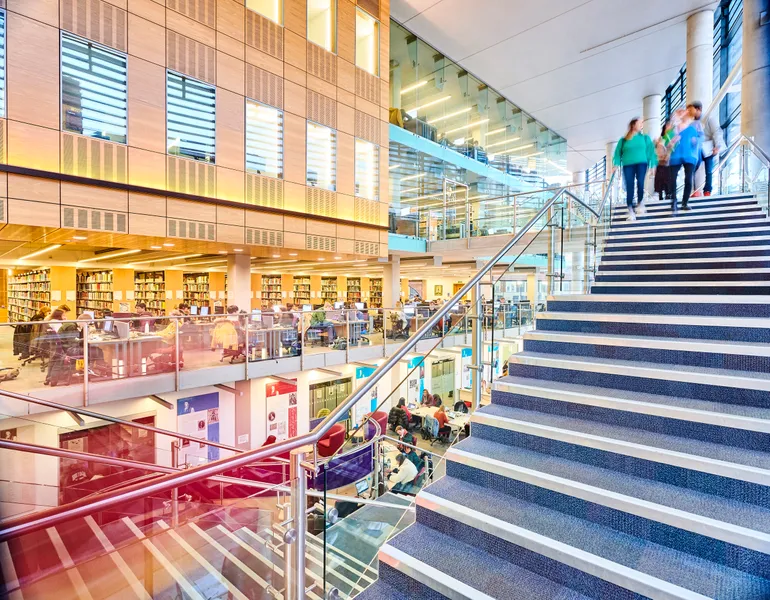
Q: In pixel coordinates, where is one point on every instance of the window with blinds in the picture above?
(367, 42)
(94, 86)
(190, 118)
(367, 170)
(321, 157)
(264, 139)
(2, 63)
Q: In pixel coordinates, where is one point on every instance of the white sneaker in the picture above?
(631, 215)
(641, 210)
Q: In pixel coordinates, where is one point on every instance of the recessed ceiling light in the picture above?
(79, 237)
(321, 259)
(237, 249)
(223, 251)
(168, 245)
(156, 247)
(276, 256)
(39, 252)
(292, 254)
(337, 258)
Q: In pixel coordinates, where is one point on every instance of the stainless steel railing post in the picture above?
(295, 549)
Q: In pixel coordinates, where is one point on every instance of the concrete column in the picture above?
(652, 126)
(391, 282)
(700, 57)
(239, 280)
(755, 85)
(610, 154)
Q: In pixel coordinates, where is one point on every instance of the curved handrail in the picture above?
(52, 517)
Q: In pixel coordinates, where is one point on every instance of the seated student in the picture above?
(403, 475)
(415, 458)
(427, 398)
(405, 436)
(144, 321)
(437, 400)
(319, 321)
(443, 422)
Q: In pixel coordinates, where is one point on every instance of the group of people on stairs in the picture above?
(686, 141)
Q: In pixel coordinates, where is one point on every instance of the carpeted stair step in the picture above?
(654, 231)
(406, 588)
(685, 273)
(686, 326)
(627, 564)
(691, 244)
(722, 306)
(641, 265)
(731, 251)
(748, 210)
(701, 286)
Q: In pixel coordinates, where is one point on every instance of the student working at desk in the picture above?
(444, 429)
(403, 475)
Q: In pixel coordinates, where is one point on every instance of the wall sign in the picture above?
(198, 416)
(281, 409)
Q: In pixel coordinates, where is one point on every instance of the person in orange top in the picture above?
(443, 422)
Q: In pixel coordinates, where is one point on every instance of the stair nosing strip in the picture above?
(429, 576)
(685, 240)
(740, 271)
(633, 370)
(646, 342)
(675, 458)
(676, 224)
(597, 566)
(738, 283)
(657, 319)
(667, 411)
(674, 517)
(687, 251)
(661, 298)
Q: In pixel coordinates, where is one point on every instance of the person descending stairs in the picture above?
(627, 453)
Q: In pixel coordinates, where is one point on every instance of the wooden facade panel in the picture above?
(346, 31)
(191, 28)
(295, 50)
(294, 224)
(230, 73)
(148, 9)
(230, 18)
(230, 184)
(146, 40)
(189, 57)
(345, 163)
(295, 16)
(25, 212)
(346, 232)
(33, 71)
(146, 105)
(345, 118)
(33, 146)
(230, 234)
(321, 228)
(231, 135)
(346, 206)
(193, 211)
(146, 168)
(147, 204)
(35, 189)
(75, 194)
(294, 196)
(95, 20)
(294, 149)
(346, 77)
(44, 11)
(231, 46)
(295, 99)
(264, 61)
(264, 220)
(149, 225)
(367, 234)
(294, 240)
(298, 76)
(345, 246)
(321, 87)
(346, 97)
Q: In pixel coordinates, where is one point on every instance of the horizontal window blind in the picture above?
(191, 118)
(264, 139)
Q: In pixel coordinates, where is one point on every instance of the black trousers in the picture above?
(689, 172)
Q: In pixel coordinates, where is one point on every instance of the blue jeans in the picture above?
(708, 163)
(631, 172)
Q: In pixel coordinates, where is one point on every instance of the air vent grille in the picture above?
(203, 11)
(192, 230)
(367, 127)
(264, 191)
(321, 63)
(366, 211)
(321, 243)
(191, 177)
(320, 202)
(96, 159)
(264, 86)
(264, 237)
(321, 109)
(95, 20)
(368, 248)
(263, 34)
(74, 217)
(191, 58)
(367, 86)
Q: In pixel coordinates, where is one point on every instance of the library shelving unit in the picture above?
(271, 289)
(150, 288)
(94, 291)
(329, 289)
(302, 289)
(27, 292)
(355, 293)
(375, 292)
(196, 289)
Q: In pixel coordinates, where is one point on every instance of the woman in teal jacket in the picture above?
(635, 152)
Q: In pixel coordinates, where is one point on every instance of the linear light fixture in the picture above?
(513, 139)
(516, 149)
(414, 86)
(154, 260)
(423, 197)
(108, 256)
(410, 177)
(429, 104)
(496, 131)
(277, 262)
(468, 126)
(410, 190)
(527, 156)
(462, 111)
(39, 252)
(394, 167)
(206, 262)
(548, 160)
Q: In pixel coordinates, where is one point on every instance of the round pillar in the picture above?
(755, 84)
(700, 57)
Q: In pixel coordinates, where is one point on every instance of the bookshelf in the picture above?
(355, 293)
(329, 289)
(195, 288)
(375, 292)
(150, 288)
(94, 291)
(302, 289)
(27, 292)
(271, 290)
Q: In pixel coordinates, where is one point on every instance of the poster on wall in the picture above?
(281, 409)
(198, 416)
(416, 381)
(365, 406)
(465, 362)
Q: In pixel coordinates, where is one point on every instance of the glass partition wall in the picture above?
(448, 125)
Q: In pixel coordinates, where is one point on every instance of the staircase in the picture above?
(627, 454)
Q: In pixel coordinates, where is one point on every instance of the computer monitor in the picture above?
(307, 308)
(204, 311)
(360, 305)
(339, 305)
(108, 324)
(193, 310)
(122, 328)
(362, 486)
(409, 311)
(256, 315)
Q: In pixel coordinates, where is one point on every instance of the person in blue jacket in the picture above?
(686, 155)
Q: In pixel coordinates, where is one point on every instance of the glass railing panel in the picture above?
(757, 178)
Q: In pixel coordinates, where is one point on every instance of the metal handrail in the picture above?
(49, 518)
